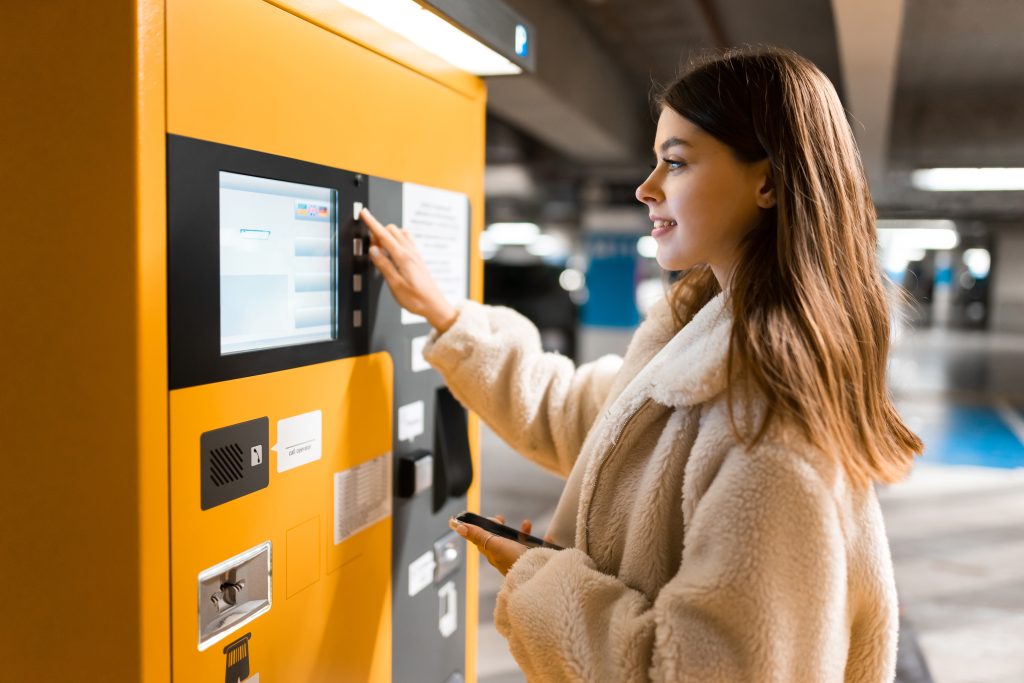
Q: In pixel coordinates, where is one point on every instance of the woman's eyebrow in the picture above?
(672, 142)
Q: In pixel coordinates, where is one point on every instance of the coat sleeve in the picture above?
(539, 403)
(760, 594)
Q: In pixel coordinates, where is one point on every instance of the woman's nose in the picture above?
(647, 192)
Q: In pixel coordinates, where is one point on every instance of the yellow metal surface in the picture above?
(357, 27)
(253, 75)
(98, 517)
(84, 506)
(150, 315)
(330, 620)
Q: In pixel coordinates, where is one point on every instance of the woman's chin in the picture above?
(670, 261)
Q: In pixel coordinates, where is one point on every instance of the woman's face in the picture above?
(702, 199)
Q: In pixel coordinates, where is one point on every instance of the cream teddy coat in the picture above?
(692, 558)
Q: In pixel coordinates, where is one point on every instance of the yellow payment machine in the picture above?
(265, 464)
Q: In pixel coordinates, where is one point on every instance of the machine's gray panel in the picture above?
(420, 654)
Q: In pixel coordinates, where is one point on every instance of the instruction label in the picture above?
(438, 221)
(362, 496)
(299, 440)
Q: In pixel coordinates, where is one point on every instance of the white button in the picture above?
(356, 208)
(357, 318)
(357, 283)
(357, 246)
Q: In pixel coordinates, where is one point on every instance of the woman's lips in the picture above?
(662, 226)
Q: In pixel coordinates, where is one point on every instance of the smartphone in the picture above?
(504, 531)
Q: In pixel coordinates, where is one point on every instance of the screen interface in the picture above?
(278, 259)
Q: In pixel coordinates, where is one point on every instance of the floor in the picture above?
(956, 524)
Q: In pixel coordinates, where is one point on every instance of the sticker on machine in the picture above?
(411, 420)
(362, 496)
(438, 221)
(298, 440)
(417, 361)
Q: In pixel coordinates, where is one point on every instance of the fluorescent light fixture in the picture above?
(917, 234)
(434, 34)
(968, 179)
(553, 247)
(512, 233)
(647, 246)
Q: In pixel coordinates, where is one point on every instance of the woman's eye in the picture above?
(672, 164)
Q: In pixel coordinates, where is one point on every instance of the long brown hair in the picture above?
(811, 317)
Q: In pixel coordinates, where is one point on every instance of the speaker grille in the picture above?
(226, 470)
(227, 464)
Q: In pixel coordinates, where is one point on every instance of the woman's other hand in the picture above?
(395, 255)
(500, 552)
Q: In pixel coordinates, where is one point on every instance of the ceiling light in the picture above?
(551, 247)
(512, 233)
(917, 234)
(968, 179)
(434, 34)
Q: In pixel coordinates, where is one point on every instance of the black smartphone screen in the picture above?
(505, 531)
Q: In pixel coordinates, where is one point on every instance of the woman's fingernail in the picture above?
(374, 250)
(461, 530)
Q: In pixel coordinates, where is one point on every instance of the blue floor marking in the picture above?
(971, 435)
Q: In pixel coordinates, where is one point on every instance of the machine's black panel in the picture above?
(234, 461)
(193, 262)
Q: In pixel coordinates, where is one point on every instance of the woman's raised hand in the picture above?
(395, 255)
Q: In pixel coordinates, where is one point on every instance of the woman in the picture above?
(719, 514)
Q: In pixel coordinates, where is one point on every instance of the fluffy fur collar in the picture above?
(688, 369)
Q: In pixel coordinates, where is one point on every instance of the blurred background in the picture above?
(935, 94)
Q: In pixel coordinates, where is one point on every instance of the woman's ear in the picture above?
(766, 198)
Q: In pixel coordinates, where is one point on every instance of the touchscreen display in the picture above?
(278, 256)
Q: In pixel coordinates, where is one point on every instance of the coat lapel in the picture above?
(677, 370)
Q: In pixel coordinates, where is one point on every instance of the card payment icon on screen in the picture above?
(311, 211)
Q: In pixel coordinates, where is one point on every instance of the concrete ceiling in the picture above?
(926, 82)
(959, 102)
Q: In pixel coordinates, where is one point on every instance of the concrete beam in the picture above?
(869, 34)
(580, 100)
